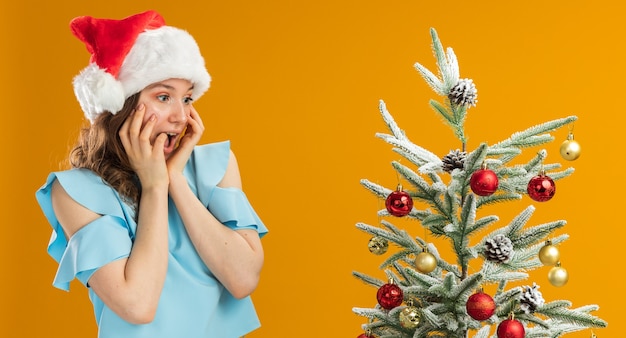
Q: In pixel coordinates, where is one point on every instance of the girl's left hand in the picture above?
(177, 161)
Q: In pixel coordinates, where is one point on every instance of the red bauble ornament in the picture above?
(511, 328)
(541, 188)
(399, 203)
(363, 335)
(480, 306)
(389, 296)
(484, 182)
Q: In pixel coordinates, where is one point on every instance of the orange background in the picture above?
(296, 89)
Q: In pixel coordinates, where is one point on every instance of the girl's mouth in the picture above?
(170, 143)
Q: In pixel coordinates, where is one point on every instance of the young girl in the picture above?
(156, 227)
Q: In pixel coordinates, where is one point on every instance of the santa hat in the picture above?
(128, 55)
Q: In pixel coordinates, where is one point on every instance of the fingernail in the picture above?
(153, 117)
(140, 106)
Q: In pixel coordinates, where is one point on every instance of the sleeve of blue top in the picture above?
(98, 243)
(231, 207)
(93, 246)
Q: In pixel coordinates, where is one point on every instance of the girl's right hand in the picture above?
(146, 159)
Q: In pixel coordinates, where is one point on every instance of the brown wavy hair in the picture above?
(100, 150)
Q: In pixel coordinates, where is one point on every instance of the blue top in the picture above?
(193, 302)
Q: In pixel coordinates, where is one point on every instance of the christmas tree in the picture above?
(426, 296)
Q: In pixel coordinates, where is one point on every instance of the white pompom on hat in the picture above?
(128, 55)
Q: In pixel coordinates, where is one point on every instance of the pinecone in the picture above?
(454, 160)
(531, 299)
(498, 249)
(464, 93)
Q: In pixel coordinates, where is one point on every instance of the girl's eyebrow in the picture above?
(154, 85)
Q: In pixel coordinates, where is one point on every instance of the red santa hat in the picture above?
(128, 55)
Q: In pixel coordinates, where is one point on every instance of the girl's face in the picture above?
(170, 101)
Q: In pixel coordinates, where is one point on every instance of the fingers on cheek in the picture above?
(146, 126)
(161, 138)
(197, 126)
(194, 115)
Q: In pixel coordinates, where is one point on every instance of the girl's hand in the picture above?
(177, 161)
(146, 159)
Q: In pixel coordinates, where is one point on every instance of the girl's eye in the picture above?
(163, 98)
(188, 100)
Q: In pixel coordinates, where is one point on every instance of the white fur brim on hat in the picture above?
(98, 91)
(157, 55)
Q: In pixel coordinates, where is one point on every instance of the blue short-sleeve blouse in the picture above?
(193, 303)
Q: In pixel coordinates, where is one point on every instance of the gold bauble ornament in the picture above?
(410, 317)
(570, 149)
(549, 254)
(378, 245)
(425, 262)
(558, 276)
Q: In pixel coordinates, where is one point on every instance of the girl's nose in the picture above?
(179, 114)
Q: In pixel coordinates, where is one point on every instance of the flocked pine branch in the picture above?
(446, 207)
(449, 84)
